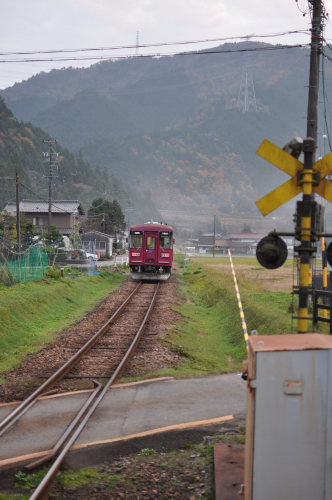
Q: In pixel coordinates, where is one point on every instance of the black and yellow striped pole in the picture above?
(305, 250)
(324, 267)
(239, 303)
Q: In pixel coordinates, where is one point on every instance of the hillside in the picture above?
(171, 124)
(21, 150)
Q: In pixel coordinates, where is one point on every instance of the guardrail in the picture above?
(121, 259)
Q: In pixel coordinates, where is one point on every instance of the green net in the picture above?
(29, 266)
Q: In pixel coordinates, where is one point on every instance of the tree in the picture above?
(117, 218)
(54, 238)
(8, 226)
(27, 230)
(108, 216)
(246, 228)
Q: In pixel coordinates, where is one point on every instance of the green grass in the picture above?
(210, 337)
(33, 313)
(15, 496)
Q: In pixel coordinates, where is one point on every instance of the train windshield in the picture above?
(136, 239)
(165, 240)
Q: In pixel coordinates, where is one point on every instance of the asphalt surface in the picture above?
(127, 412)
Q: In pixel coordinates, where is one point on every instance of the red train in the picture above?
(151, 251)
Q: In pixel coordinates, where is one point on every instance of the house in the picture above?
(65, 214)
(236, 242)
(244, 242)
(96, 242)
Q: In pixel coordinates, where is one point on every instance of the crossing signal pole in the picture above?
(306, 247)
(307, 177)
(18, 222)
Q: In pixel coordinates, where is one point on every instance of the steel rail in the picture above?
(45, 485)
(59, 374)
(69, 430)
(24, 410)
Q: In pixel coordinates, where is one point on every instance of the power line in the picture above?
(43, 199)
(170, 54)
(163, 44)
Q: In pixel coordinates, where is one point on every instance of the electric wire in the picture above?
(163, 44)
(44, 199)
(170, 54)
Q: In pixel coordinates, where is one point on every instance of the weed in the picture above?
(81, 477)
(30, 481)
(70, 300)
(113, 480)
(14, 497)
(21, 477)
(52, 272)
(147, 451)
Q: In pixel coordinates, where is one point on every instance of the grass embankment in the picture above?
(211, 337)
(32, 313)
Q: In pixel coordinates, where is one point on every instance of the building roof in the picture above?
(41, 206)
(245, 236)
(93, 233)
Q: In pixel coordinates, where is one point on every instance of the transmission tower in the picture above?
(137, 44)
(246, 100)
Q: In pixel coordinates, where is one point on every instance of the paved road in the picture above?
(126, 412)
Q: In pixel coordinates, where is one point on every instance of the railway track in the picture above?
(111, 347)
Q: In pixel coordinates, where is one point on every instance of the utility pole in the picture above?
(307, 180)
(18, 227)
(316, 49)
(214, 233)
(52, 159)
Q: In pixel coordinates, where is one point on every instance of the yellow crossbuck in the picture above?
(290, 165)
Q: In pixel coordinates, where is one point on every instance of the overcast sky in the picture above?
(37, 25)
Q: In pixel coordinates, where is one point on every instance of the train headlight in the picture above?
(135, 254)
(165, 255)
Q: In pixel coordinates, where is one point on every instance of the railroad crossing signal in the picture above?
(307, 177)
(294, 186)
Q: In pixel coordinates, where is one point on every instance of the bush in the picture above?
(52, 272)
(6, 278)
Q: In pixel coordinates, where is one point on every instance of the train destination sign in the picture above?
(292, 166)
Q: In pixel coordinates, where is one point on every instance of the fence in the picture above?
(28, 266)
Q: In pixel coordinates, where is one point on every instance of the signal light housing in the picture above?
(271, 252)
(329, 254)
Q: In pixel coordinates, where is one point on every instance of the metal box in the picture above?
(289, 418)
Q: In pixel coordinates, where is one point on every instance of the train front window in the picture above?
(136, 240)
(150, 242)
(165, 240)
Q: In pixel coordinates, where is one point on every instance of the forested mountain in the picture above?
(21, 150)
(171, 124)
